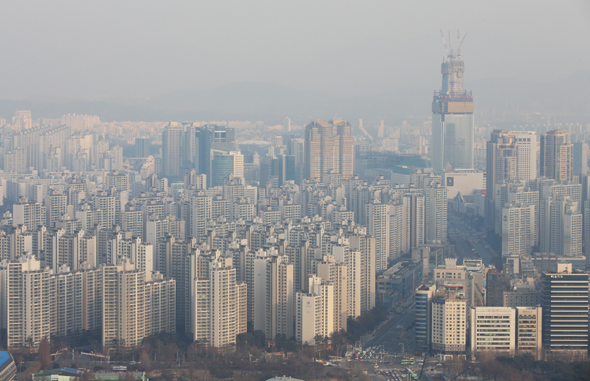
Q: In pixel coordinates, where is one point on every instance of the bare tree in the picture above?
(45, 354)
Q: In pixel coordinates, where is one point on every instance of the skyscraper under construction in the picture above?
(452, 119)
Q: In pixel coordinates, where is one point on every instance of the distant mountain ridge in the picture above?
(270, 102)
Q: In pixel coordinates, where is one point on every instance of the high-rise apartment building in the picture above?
(315, 311)
(27, 295)
(274, 296)
(452, 119)
(501, 165)
(217, 301)
(134, 308)
(28, 213)
(557, 156)
(518, 229)
(378, 226)
(565, 312)
(328, 147)
(435, 215)
(560, 227)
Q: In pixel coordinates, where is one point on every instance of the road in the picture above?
(469, 242)
(398, 335)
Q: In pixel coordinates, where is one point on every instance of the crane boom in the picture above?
(444, 42)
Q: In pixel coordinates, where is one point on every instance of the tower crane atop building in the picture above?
(453, 55)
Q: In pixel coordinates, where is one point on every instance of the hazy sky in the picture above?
(88, 49)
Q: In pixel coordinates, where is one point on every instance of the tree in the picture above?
(145, 359)
(45, 354)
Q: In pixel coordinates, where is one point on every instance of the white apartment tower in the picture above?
(26, 297)
(560, 229)
(518, 229)
(30, 214)
(274, 296)
(435, 226)
(133, 308)
(378, 226)
(315, 311)
(217, 301)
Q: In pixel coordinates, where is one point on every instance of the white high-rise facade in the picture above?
(518, 229)
(527, 148)
(435, 214)
(449, 323)
(274, 296)
(560, 229)
(378, 226)
(134, 308)
(493, 329)
(217, 301)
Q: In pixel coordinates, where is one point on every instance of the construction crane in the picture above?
(460, 43)
(451, 54)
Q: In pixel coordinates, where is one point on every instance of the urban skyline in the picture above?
(448, 245)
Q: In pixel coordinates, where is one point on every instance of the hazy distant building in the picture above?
(452, 119)
(142, 147)
(225, 164)
(172, 149)
(580, 158)
(328, 147)
(557, 156)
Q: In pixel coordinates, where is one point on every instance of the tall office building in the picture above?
(565, 312)
(526, 154)
(423, 298)
(528, 334)
(557, 156)
(493, 329)
(225, 164)
(172, 144)
(328, 147)
(142, 147)
(452, 119)
(449, 324)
